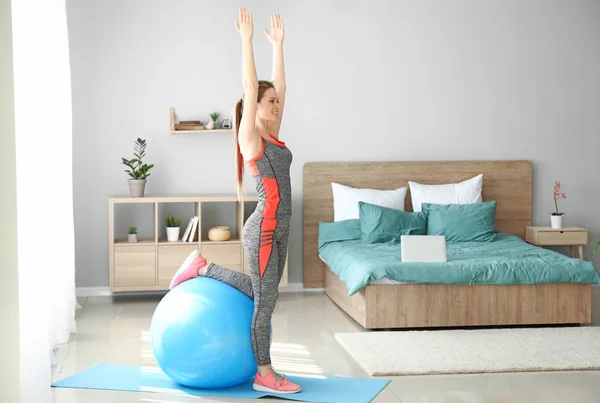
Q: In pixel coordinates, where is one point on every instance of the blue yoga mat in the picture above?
(330, 389)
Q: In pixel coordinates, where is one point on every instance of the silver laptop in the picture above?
(423, 248)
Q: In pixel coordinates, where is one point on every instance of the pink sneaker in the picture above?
(189, 269)
(274, 383)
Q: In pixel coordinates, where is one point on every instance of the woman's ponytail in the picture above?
(239, 159)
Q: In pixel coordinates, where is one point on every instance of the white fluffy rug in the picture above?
(385, 353)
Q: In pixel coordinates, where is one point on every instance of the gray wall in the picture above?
(383, 80)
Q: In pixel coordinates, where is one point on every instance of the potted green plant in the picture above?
(556, 218)
(132, 237)
(213, 123)
(173, 224)
(138, 170)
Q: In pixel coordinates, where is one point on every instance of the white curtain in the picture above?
(43, 131)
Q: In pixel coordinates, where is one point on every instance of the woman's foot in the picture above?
(274, 383)
(192, 267)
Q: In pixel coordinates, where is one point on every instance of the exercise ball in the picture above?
(200, 334)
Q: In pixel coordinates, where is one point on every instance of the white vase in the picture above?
(556, 221)
(210, 125)
(132, 237)
(172, 234)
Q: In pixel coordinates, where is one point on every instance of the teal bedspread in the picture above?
(506, 260)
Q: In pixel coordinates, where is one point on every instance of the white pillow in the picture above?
(465, 192)
(346, 198)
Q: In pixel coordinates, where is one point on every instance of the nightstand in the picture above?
(568, 236)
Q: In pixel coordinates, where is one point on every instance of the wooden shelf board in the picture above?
(180, 242)
(125, 242)
(200, 131)
(207, 242)
(181, 198)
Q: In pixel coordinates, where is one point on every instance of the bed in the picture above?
(396, 297)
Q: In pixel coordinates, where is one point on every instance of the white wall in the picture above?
(9, 274)
(380, 80)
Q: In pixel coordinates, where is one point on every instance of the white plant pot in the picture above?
(172, 234)
(137, 187)
(556, 221)
(132, 237)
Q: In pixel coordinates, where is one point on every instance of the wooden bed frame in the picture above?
(437, 305)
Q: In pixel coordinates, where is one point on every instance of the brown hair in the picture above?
(238, 109)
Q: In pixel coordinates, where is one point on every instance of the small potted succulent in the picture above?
(213, 123)
(173, 225)
(138, 171)
(132, 237)
(556, 218)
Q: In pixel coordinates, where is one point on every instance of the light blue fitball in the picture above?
(200, 334)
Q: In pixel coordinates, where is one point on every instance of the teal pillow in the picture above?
(474, 222)
(383, 224)
(345, 230)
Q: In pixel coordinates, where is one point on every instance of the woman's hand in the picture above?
(277, 31)
(245, 26)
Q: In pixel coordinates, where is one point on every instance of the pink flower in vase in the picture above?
(558, 194)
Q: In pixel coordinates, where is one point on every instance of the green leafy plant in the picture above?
(173, 222)
(138, 170)
(596, 247)
(214, 116)
(133, 229)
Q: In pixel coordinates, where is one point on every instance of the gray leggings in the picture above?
(265, 242)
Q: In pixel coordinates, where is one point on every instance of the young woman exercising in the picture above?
(265, 234)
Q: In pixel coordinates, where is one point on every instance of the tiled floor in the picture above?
(116, 332)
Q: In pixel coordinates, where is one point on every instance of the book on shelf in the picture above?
(189, 230)
(194, 225)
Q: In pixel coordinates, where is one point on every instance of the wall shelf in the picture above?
(172, 129)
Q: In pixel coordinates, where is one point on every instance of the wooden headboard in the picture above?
(507, 182)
